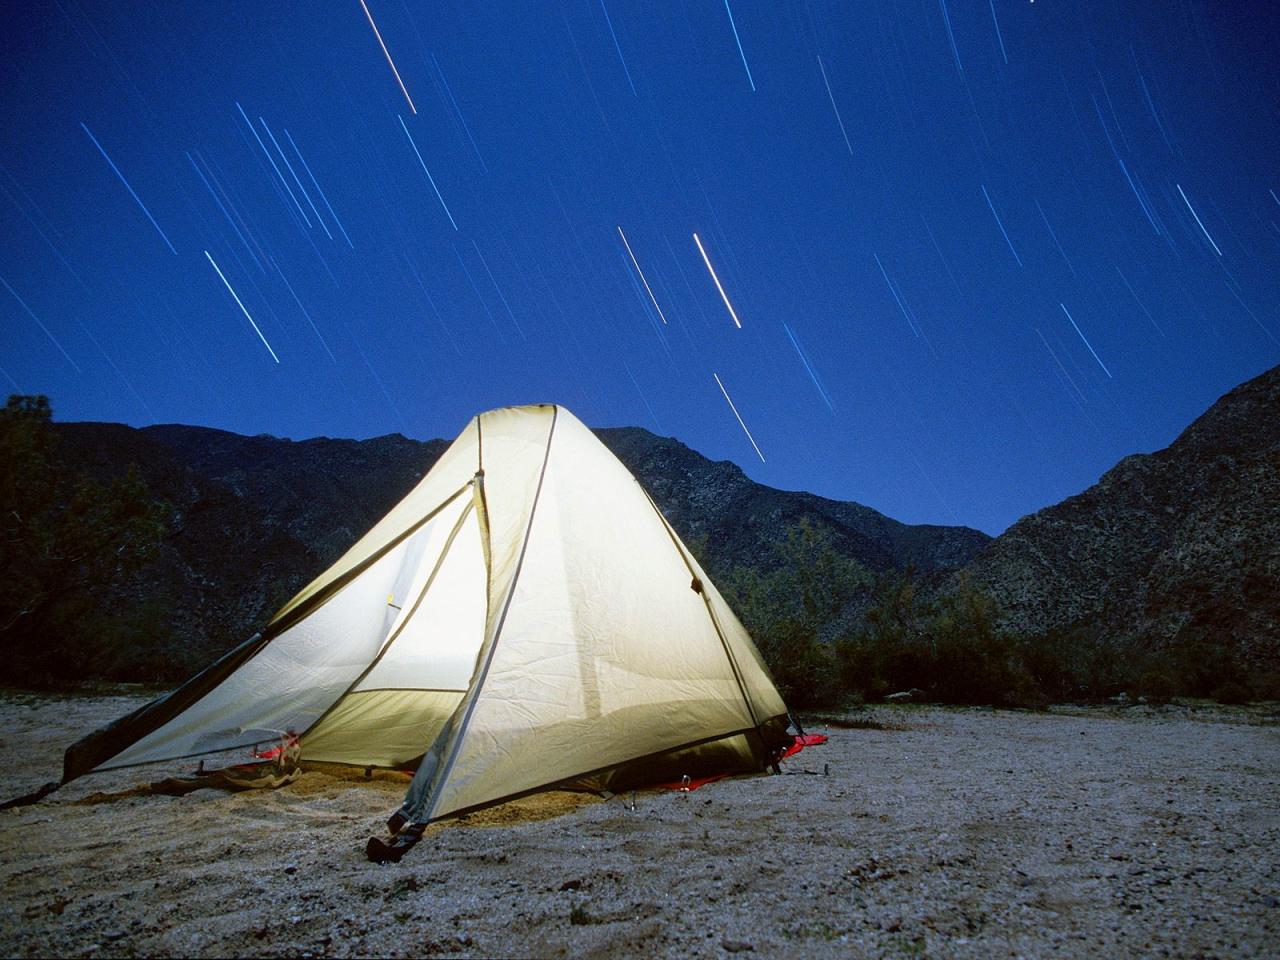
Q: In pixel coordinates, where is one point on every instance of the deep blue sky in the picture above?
(957, 389)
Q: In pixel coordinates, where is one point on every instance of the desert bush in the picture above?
(974, 660)
(1111, 666)
(860, 670)
(1232, 691)
(785, 607)
(128, 650)
(892, 649)
(1265, 684)
(64, 538)
(950, 646)
(1083, 663)
(954, 647)
(1202, 664)
(803, 668)
(1157, 684)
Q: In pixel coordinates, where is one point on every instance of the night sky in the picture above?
(979, 250)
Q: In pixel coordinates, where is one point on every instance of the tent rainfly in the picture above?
(524, 619)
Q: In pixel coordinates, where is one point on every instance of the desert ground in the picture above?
(1138, 831)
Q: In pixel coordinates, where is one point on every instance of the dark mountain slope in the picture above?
(225, 565)
(740, 520)
(324, 493)
(255, 518)
(1181, 544)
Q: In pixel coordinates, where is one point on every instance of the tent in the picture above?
(525, 618)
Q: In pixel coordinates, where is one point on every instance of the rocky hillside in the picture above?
(1179, 544)
(714, 502)
(255, 518)
(322, 493)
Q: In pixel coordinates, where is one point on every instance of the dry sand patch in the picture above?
(953, 833)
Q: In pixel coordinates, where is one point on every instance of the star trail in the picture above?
(428, 210)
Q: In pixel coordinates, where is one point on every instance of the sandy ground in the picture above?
(950, 833)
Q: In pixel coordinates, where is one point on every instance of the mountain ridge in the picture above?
(1178, 545)
(257, 517)
(1182, 543)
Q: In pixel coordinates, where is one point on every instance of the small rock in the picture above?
(291, 870)
(570, 885)
(905, 696)
(736, 946)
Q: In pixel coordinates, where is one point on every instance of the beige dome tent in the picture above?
(524, 618)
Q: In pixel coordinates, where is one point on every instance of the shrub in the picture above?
(860, 670)
(952, 647)
(1265, 685)
(1201, 663)
(65, 537)
(1157, 684)
(785, 607)
(1232, 691)
(803, 668)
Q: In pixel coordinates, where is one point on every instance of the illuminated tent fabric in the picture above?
(524, 618)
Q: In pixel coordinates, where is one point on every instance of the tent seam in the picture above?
(413, 611)
(706, 605)
(478, 685)
(273, 629)
(410, 690)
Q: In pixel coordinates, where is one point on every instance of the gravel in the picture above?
(1076, 832)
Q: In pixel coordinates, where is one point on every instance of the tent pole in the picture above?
(698, 588)
(426, 588)
(456, 729)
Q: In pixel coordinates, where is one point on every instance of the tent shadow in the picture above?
(93, 799)
(230, 780)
